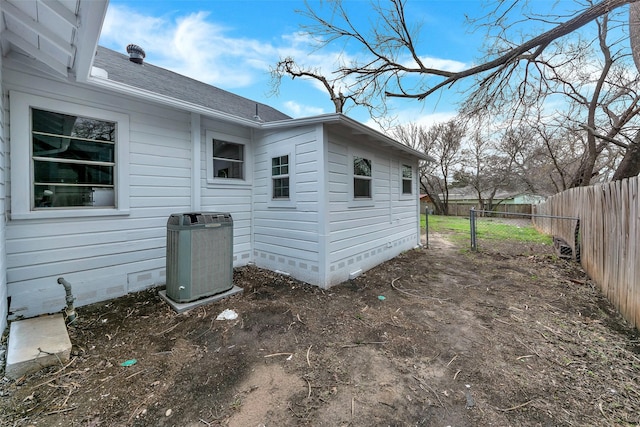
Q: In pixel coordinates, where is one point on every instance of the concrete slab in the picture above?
(181, 307)
(37, 343)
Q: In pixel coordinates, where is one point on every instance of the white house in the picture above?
(99, 148)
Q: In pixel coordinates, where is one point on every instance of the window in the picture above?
(73, 160)
(280, 177)
(407, 180)
(228, 160)
(68, 160)
(361, 178)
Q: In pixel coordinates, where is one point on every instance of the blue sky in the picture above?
(232, 44)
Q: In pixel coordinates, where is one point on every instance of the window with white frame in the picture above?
(407, 179)
(73, 160)
(67, 159)
(228, 159)
(280, 177)
(362, 178)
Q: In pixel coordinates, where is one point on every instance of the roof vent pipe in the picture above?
(257, 116)
(136, 53)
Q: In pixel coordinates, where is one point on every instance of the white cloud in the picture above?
(296, 109)
(191, 45)
(198, 46)
(443, 64)
(403, 117)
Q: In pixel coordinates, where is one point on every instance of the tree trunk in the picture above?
(630, 164)
(634, 32)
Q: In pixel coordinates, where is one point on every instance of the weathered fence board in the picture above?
(609, 235)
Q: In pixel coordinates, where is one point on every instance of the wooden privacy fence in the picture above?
(609, 234)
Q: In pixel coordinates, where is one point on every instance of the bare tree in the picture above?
(392, 40)
(393, 63)
(288, 66)
(442, 142)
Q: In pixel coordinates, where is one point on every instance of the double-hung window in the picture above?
(67, 160)
(73, 160)
(280, 177)
(407, 179)
(361, 178)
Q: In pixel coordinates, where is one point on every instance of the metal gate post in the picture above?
(472, 227)
(426, 226)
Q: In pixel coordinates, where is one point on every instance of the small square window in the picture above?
(407, 179)
(228, 160)
(280, 177)
(361, 178)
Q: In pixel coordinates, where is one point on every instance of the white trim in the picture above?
(360, 201)
(20, 155)
(402, 195)
(247, 172)
(156, 98)
(291, 201)
(196, 157)
(324, 210)
(354, 125)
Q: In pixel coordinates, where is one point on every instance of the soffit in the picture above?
(57, 37)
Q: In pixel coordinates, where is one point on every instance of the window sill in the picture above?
(227, 182)
(68, 213)
(367, 203)
(281, 204)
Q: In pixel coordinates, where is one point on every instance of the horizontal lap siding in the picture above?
(364, 236)
(234, 199)
(286, 238)
(104, 257)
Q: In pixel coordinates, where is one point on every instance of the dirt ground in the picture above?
(435, 337)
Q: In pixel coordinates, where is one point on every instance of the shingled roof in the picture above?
(167, 83)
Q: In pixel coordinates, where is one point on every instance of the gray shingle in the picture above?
(174, 85)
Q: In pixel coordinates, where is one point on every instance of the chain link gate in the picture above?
(489, 226)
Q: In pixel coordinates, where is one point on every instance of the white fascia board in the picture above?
(91, 16)
(156, 98)
(354, 125)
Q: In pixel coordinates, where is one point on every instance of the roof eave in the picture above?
(150, 96)
(91, 15)
(338, 118)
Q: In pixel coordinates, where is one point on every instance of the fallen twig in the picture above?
(309, 385)
(167, 330)
(529, 348)
(278, 354)
(60, 411)
(513, 408)
(308, 350)
(358, 344)
(291, 409)
(423, 384)
(524, 357)
(56, 373)
(404, 291)
(135, 373)
(451, 361)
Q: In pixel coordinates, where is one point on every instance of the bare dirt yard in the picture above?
(435, 337)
